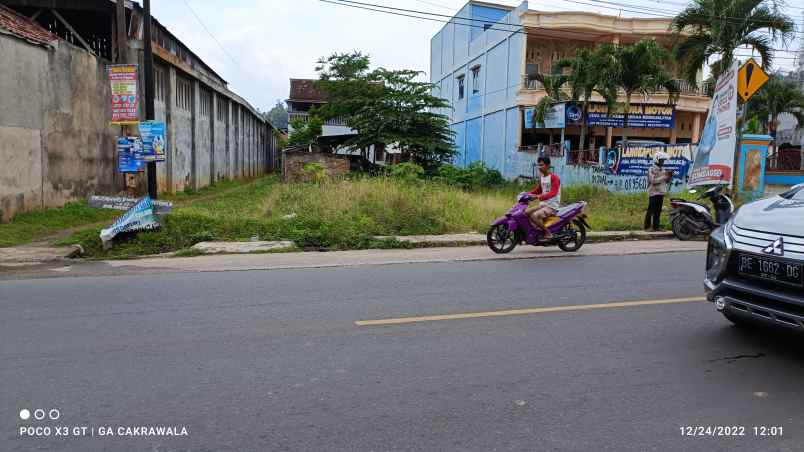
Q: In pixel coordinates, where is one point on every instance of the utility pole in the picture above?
(149, 90)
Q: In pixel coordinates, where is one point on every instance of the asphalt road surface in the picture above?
(346, 358)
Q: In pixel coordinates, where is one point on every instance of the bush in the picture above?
(407, 171)
(474, 177)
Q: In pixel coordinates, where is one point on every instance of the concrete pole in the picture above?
(149, 90)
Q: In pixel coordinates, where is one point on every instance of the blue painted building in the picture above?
(482, 62)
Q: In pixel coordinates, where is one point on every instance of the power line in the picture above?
(211, 35)
(487, 24)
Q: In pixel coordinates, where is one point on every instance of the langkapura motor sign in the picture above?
(714, 160)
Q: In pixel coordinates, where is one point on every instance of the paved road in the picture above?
(273, 360)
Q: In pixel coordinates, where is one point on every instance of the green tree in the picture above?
(718, 27)
(305, 133)
(386, 106)
(553, 85)
(278, 116)
(637, 69)
(587, 76)
(776, 97)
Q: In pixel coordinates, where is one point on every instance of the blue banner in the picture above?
(529, 115)
(643, 116)
(154, 141)
(128, 158)
(141, 217)
(636, 159)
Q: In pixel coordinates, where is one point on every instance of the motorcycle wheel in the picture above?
(682, 231)
(501, 240)
(580, 239)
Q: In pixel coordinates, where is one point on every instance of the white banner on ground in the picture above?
(714, 160)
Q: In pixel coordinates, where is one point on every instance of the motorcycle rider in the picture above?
(548, 192)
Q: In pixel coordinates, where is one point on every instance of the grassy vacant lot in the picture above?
(339, 214)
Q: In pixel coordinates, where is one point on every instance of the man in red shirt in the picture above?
(548, 192)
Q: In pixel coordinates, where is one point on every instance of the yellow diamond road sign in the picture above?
(750, 78)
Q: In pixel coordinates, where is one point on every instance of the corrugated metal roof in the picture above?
(304, 90)
(24, 28)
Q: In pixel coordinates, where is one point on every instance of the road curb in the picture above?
(474, 239)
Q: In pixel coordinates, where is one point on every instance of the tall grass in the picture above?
(349, 213)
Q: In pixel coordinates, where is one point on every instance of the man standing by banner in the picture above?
(714, 162)
(658, 178)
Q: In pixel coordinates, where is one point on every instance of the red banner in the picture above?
(125, 99)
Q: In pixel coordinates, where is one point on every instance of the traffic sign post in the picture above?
(751, 78)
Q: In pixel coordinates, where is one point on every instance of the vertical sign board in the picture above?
(125, 99)
(753, 155)
(128, 155)
(714, 160)
(154, 141)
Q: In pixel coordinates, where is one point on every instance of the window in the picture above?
(475, 79)
(184, 94)
(223, 103)
(460, 87)
(206, 103)
(160, 84)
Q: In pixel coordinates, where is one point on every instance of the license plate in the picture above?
(771, 270)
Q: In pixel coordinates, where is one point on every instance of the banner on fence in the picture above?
(635, 159)
(714, 161)
(125, 99)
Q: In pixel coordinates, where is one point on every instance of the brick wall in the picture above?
(293, 164)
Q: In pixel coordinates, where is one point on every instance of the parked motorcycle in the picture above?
(568, 227)
(690, 219)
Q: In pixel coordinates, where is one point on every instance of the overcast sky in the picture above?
(263, 43)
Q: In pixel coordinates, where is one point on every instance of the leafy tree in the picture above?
(718, 27)
(553, 85)
(305, 133)
(637, 69)
(278, 116)
(386, 106)
(587, 76)
(776, 97)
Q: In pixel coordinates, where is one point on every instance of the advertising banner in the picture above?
(154, 141)
(129, 151)
(125, 99)
(529, 115)
(555, 117)
(644, 116)
(121, 203)
(714, 160)
(636, 159)
(139, 218)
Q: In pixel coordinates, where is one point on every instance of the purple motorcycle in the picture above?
(568, 227)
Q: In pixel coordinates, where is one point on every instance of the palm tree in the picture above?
(553, 85)
(639, 69)
(776, 97)
(587, 77)
(718, 27)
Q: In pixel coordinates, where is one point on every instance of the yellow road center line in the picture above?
(509, 312)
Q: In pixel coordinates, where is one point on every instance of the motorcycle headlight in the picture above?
(717, 255)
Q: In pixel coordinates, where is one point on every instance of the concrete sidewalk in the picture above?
(301, 260)
(19, 256)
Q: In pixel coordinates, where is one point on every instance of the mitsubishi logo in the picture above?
(776, 248)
